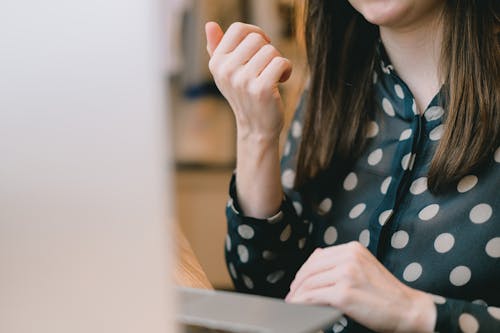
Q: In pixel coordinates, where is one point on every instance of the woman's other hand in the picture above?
(349, 278)
(247, 70)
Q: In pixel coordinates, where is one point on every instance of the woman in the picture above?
(388, 207)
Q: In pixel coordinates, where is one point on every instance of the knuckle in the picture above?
(255, 89)
(237, 27)
(255, 37)
(356, 246)
(280, 61)
(212, 65)
(270, 50)
(317, 252)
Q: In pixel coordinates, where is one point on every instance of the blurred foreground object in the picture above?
(85, 172)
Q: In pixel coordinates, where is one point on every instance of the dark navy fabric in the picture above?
(447, 244)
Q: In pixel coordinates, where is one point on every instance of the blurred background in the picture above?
(203, 124)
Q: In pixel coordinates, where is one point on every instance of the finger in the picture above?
(328, 272)
(235, 34)
(321, 280)
(278, 68)
(325, 296)
(318, 261)
(250, 45)
(261, 59)
(214, 35)
(326, 258)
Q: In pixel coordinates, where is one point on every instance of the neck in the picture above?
(415, 51)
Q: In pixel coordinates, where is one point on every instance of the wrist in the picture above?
(257, 144)
(421, 314)
(264, 138)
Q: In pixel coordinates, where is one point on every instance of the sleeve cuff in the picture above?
(235, 207)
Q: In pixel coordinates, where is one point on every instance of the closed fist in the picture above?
(247, 70)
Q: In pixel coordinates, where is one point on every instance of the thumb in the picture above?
(214, 35)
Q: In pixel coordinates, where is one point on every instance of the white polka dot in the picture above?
(480, 213)
(418, 186)
(229, 202)
(387, 106)
(298, 207)
(325, 206)
(493, 247)
(375, 157)
(444, 242)
(246, 231)
(288, 178)
(242, 253)
(286, 149)
(460, 275)
(228, 243)
(467, 323)
(412, 272)
(400, 239)
(384, 216)
(467, 183)
(350, 181)
(364, 237)
(494, 312)
(286, 233)
(438, 299)
(275, 277)
(330, 235)
(357, 210)
(296, 129)
(414, 107)
(247, 281)
(480, 302)
(372, 130)
(497, 155)
(343, 321)
(337, 328)
(385, 185)
(232, 270)
(399, 91)
(405, 135)
(436, 133)
(433, 113)
(428, 212)
(268, 255)
(302, 243)
(405, 161)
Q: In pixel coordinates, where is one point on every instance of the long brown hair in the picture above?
(341, 50)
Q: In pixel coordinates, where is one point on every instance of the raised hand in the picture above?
(247, 70)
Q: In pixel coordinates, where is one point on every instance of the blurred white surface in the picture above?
(84, 193)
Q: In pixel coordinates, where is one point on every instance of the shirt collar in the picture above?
(389, 86)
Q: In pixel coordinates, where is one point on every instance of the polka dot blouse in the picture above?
(447, 245)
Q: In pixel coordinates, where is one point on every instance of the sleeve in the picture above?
(263, 255)
(459, 316)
